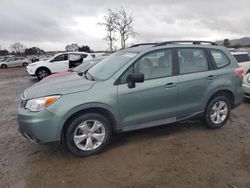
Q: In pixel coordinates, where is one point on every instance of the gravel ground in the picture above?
(179, 155)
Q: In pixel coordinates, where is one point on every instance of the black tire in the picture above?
(25, 64)
(42, 73)
(3, 66)
(69, 135)
(208, 119)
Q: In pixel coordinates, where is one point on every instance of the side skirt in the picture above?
(149, 124)
(156, 123)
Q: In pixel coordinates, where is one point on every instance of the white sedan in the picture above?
(14, 61)
(58, 63)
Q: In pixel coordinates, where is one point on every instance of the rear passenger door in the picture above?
(195, 74)
(155, 98)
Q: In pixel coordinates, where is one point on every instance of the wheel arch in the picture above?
(42, 67)
(225, 92)
(99, 110)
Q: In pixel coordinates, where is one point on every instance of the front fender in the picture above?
(89, 106)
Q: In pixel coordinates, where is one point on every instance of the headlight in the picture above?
(38, 104)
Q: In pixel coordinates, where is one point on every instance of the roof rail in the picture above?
(142, 44)
(185, 41)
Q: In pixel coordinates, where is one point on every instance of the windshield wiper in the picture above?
(89, 75)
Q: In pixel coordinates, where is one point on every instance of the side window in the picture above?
(62, 57)
(192, 60)
(153, 65)
(75, 57)
(220, 58)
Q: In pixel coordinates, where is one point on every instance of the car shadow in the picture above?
(122, 139)
(153, 132)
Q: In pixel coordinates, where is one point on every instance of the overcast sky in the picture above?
(51, 24)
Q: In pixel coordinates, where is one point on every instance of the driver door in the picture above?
(155, 99)
(60, 63)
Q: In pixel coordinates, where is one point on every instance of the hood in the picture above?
(56, 75)
(38, 62)
(60, 85)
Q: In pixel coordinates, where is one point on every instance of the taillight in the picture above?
(239, 71)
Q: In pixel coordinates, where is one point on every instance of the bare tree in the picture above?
(109, 24)
(72, 47)
(17, 47)
(124, 25)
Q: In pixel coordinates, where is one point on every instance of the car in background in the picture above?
(246, 85)
(243, 60)
(15, 61)
(77, 70)
(58, 63)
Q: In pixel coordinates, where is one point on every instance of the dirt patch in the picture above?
(177, 155)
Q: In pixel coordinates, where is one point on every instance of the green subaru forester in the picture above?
(142, 86)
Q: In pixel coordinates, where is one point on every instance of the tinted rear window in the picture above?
(242, 58)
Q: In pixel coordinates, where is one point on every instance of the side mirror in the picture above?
(134, 78)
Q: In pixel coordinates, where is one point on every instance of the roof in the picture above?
(171, 44)
(239, 53)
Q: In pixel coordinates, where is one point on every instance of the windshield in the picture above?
(110, 65)
(85, 65)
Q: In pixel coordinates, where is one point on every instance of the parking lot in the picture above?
(186, 154)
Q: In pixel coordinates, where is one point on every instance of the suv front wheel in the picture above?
(217, 112)
(88, 134)
(42, 73)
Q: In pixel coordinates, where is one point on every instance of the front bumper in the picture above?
(39, 127)
(30, 71)
(246, 88)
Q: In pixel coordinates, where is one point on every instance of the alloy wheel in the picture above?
(42, 73)
(219, 112)
(89, 135)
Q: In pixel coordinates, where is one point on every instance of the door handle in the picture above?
(170, 85)
(211, 77)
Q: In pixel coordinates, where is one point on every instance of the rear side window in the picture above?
(62, 57)
(220, 58)
(192, 60)
(242, 58)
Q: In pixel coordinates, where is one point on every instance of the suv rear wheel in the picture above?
(217, 112)
(88, 134)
